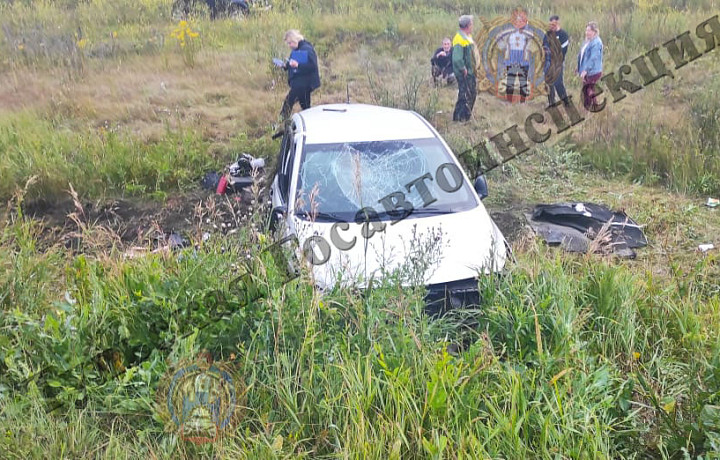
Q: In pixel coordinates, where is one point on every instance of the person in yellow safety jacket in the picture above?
(465, 59)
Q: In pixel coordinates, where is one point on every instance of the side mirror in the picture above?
(277, 215)
(481, 186)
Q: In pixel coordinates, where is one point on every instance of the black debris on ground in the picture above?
(583, 227)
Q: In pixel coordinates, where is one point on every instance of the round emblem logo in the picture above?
(517, 57)
(201, 399)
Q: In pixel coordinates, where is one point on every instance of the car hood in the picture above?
(420, 250)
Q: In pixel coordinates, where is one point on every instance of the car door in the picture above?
(281, 185)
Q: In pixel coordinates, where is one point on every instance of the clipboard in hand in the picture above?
(301, 56)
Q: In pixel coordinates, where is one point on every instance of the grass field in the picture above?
(568, 357)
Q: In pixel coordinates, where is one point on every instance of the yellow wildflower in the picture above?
(669, 406)
(185, 39)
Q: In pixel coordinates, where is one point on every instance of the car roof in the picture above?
(335, 123)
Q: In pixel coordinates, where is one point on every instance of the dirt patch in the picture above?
(192, 215)
(88, 226)
(512, 223)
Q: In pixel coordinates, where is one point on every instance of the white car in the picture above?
(371, 192)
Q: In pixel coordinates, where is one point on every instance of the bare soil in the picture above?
(133, 222)
(511, 222)
(192, 215)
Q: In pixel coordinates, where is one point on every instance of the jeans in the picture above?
(301, 95)
(467, 93)
(557, 87)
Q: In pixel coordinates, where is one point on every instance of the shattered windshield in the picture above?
(338, 180)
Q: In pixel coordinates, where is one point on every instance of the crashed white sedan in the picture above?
(372, 192)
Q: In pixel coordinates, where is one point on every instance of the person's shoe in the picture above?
(279, 131)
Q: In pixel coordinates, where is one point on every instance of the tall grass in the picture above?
(682, 153)
(95, 162)
(567, 357)
(79, 43)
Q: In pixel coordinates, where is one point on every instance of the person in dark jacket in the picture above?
(442, 69)
(555, 43)
(303, 74)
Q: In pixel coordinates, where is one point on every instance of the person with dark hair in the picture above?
(555, 44)
(442, 70)
(303, 74)
(464, 60)
(590, 63)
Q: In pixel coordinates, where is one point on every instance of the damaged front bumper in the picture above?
(442, 297)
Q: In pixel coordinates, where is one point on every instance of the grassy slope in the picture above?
(572, 356)
(128, 78)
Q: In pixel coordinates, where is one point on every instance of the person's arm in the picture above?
(583, 67)
(595, 60)
(449, 63)
(458, 60)
(579, 64)
(311, 64)
(434, 58)
(564, 43)
(547, 52)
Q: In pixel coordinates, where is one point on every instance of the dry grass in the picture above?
(555, 366)
(232, 89)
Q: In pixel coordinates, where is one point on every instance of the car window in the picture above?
(340, 179)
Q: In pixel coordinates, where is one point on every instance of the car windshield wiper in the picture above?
(319, 216)
(430, 211)
(398, 214)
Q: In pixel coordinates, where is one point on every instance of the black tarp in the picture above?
(575, 225)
